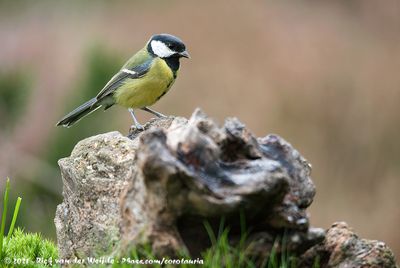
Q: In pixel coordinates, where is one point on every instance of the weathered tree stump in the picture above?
(159, 186)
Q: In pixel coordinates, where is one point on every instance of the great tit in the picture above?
(141, 81)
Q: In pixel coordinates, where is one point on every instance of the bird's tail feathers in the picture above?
(78, 113)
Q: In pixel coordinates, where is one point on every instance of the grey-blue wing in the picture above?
(118, 79)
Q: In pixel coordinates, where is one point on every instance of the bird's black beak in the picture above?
(184, 54)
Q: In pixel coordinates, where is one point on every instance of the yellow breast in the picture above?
(145, 91)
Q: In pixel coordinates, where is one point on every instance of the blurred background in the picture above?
(325, 75)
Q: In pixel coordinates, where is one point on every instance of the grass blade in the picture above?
(272, 261)
(14, 218)
(3, 217)
(210, 233)
(221, 226)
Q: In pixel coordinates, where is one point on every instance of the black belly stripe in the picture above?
(168, 86)
(162, 94)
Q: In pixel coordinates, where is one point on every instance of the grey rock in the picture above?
(342, 248)
(98, 169)
(157, 187)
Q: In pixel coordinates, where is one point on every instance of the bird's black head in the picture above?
(167, 46)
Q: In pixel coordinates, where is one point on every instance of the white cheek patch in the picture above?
(160, 49)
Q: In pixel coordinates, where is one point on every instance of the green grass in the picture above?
(24, 248)
(4, 217)
(221, 253)
(19, 249)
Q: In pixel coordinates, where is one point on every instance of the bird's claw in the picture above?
(138, 127)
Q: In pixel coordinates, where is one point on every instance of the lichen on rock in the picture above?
(94, 176)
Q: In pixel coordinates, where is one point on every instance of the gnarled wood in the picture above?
(159, 186)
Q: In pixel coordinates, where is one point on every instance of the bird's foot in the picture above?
(138, 127)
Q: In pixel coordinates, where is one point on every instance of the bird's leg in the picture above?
(154, 112)
(137, 124)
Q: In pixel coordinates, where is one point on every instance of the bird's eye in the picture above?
(171, 46)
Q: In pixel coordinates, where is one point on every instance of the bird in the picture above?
(142, 80)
